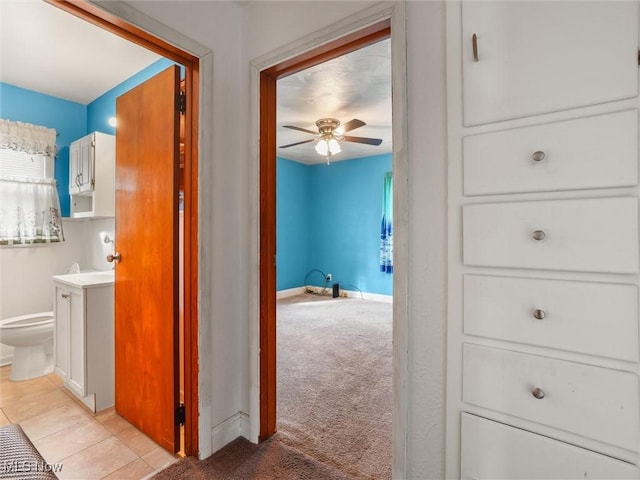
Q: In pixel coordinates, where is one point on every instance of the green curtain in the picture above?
(386, 226)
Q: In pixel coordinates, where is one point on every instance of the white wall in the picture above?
(270, 27)
(25, 273)
(427, 224)
(238, 33)
(223, 204)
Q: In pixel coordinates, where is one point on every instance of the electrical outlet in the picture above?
(329, 277)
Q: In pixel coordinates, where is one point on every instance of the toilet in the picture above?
(32, 338)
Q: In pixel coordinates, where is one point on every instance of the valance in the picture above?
(28, 138)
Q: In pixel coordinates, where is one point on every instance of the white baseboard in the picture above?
(373, 297)
(227, 431)
(289, 292)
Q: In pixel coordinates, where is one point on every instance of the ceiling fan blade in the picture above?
(297, 143)
(368, 141)
(351, 125)
(301, 129)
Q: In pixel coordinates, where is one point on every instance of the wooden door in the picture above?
(146, 286)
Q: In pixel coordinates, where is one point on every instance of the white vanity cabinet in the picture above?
(543, 350)
(84, 326)
(525, 58)
(92, 176)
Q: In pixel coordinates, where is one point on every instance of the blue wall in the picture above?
(104, 107)
(292, 223)
(342, 227)
(68, 118)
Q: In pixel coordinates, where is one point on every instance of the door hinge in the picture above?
(638, 57)
(181, 414)
(182, 103)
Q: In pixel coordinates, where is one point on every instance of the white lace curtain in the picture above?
(29, 207)
(28, 138)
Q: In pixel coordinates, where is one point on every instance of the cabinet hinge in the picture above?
(181, 414)
(182, 103)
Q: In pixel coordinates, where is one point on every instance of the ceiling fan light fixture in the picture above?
(322, 147)
(330, 134)
(334, 146)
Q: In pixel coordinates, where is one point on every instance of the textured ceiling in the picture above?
(52, 52)
(356, 85)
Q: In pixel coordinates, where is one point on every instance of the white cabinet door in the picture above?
(592, 152)
(491, 450)
(587, 317)
(81, 165)
(588, 235)
(61, 331)
(85, 180)
(539, 57)
(74, 167)
(594, 402)
(76, 377)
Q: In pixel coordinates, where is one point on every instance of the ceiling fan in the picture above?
(329, 132)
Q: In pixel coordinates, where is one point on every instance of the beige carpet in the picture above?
(334, 382)
(334, 399)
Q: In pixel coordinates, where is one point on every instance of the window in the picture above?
(29, 203)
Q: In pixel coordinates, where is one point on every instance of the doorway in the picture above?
(268, 102)
(334, 265)
(189, 165)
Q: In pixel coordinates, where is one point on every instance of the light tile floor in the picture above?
(89, 446)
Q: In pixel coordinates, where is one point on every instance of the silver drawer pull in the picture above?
(538, 393)
(539, 314)
(538, 156)
(538, 235)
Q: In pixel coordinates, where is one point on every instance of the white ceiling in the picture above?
(356, 85)
(52, 52)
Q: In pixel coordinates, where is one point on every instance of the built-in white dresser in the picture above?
(544, 245)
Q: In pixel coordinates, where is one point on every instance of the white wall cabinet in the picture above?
(540, 57)
(543, 370)
(92, 176)
(84, 348)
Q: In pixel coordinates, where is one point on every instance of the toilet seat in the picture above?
(31, 320)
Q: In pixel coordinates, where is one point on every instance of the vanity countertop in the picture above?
(86, 279)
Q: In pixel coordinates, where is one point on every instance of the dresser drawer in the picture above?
(492, 450)
(594, 402)
(594, 152)
(587, 317)
(592, 235)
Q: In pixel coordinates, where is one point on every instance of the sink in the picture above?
(86, 279)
